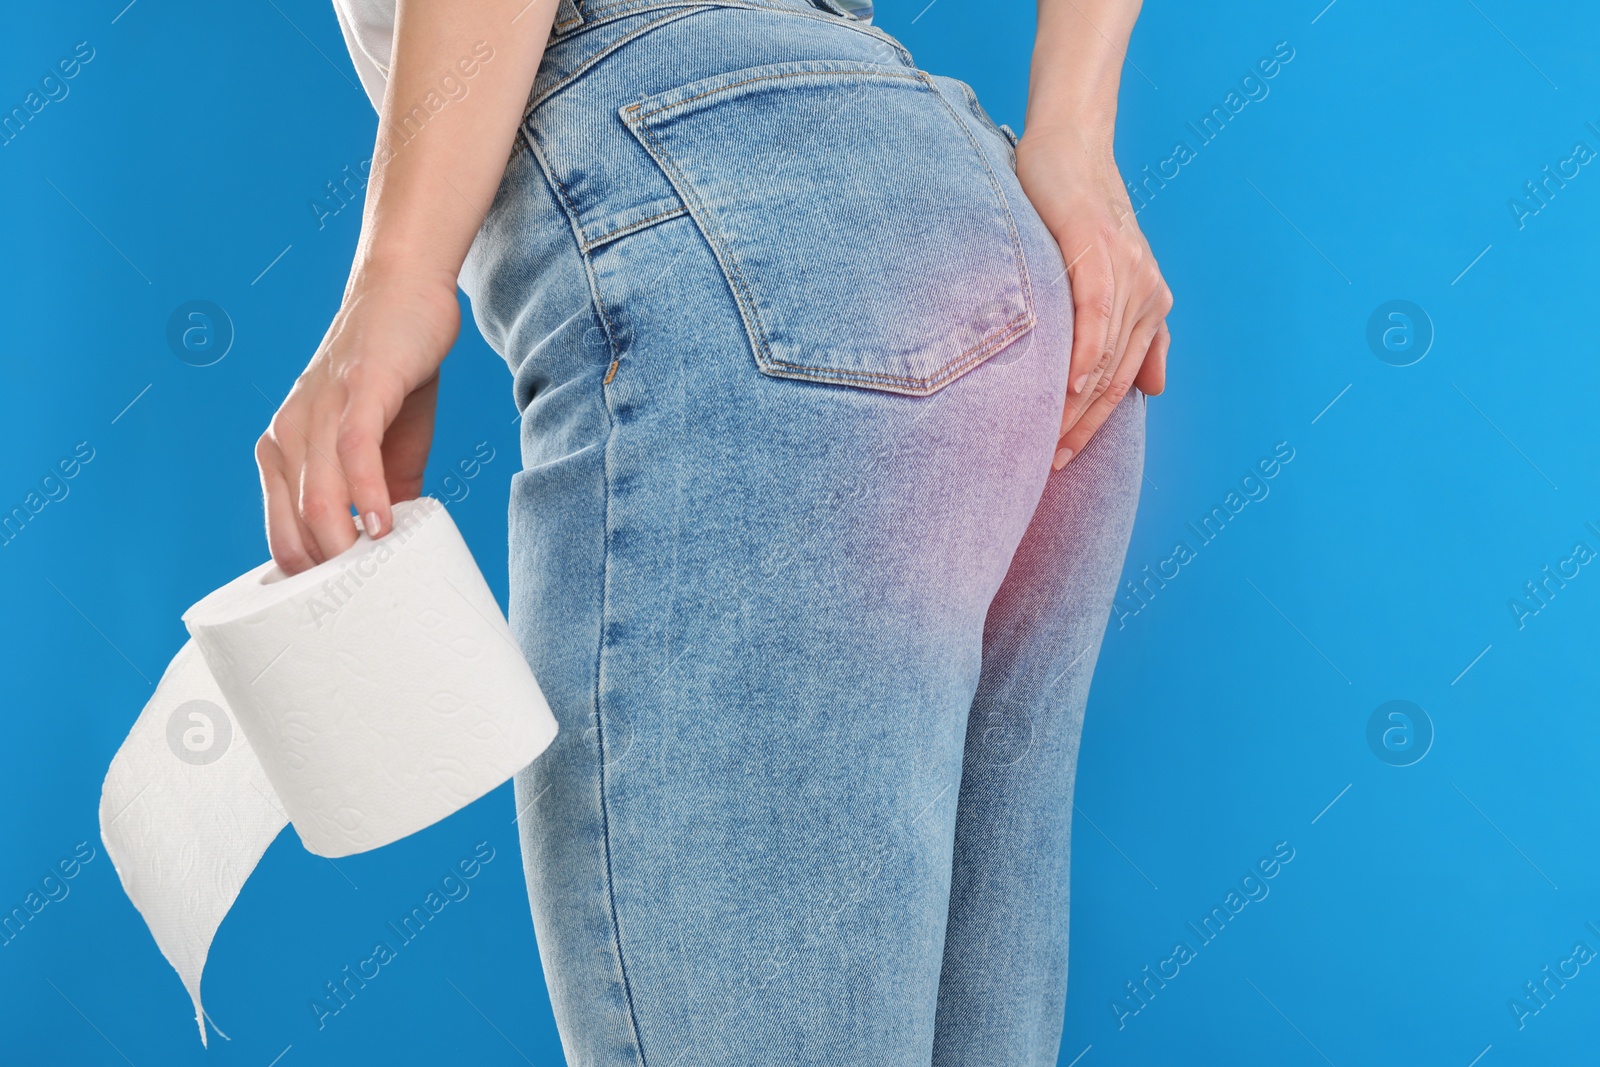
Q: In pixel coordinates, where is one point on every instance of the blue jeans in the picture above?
(787, 555)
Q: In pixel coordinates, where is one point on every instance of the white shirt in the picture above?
(368, 28)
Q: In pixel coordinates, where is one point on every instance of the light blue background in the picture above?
(1228, 713)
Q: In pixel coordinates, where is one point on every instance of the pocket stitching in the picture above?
(957, 364)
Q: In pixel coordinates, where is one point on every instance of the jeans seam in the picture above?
(588, 64)
(605, 594)
(634, 227)
(600, 744)
(1011, 221)
(519, 143)
(576, 224)
(576, 19)
(638, 116)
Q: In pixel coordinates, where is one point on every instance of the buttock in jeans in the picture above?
(787, 556)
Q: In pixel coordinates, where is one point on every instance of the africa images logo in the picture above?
(199, 732)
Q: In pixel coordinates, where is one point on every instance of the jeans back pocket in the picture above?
(860, 228)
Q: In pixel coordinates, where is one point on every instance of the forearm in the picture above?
(458, 81)
(1077, 67)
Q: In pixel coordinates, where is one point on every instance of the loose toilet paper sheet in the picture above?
(185, 815)
(362, 700)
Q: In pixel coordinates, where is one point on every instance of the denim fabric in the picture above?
(787, 555)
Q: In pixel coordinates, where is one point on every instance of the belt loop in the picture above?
(832, 8)
(568, 17)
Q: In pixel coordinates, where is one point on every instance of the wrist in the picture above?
(1068, 175)
(1089, 127)
(424, 305)
(403, 271)
(1071, 147)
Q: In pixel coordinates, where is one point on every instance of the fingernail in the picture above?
(1078, 386)
(371, 522)
(1062, 455)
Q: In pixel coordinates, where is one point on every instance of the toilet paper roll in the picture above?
(362, 700)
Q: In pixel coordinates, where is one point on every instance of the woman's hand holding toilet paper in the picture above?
(356, 428)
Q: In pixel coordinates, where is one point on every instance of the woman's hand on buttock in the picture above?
(1120, 300)
(354, 431)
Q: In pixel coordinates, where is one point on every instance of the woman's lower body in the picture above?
(787, 556)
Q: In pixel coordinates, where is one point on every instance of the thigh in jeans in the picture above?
(1002, 993)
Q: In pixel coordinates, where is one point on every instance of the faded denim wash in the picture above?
(787, 555)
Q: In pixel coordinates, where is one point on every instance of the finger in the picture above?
(1140, 342)
(291, 446)
(1105, 373)
(1131, 311)
(1153, 372)
(1121, 320)
(1096, 382)
(284, 536)
(1092, 385)
(1094, 302)
(359, 450)
(1073, 441)
(1136, 323)
(324, 502)
(407, 440)
(1152, 379)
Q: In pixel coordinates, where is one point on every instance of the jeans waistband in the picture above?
(574, 16)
